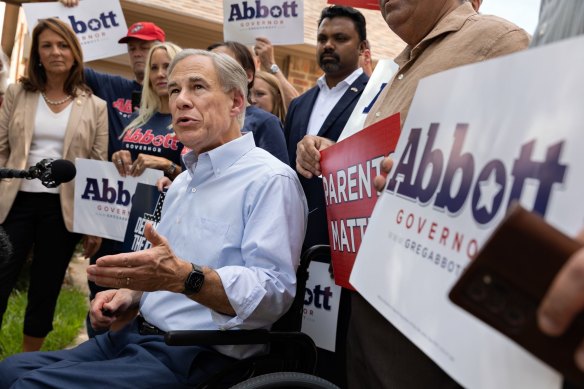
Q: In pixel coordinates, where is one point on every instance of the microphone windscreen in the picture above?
(62, 170)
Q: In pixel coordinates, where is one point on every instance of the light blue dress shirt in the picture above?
(242, 212)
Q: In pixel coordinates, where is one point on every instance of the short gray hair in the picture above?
(229, 72)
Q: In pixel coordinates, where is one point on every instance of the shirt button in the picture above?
(377, 114)
(193, 190)
(401, 76)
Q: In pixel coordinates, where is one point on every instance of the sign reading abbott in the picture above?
(282, 21)
(103, 198)
(98, 24)
(476, 139)
(321, 306)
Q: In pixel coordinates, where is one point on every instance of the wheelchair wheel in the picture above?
(286, 380)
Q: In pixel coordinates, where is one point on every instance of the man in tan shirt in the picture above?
(440, 35)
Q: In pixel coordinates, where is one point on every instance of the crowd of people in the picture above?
(244, 196)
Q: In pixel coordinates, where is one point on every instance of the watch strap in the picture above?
(171, 169)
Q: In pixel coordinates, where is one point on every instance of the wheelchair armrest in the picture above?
(215, 337)
(304, 344)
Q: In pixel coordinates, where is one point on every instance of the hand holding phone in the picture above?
(504, 285)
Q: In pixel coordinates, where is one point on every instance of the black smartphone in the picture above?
(136, 98)
(504, 285)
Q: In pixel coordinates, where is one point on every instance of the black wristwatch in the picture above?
(194, 281)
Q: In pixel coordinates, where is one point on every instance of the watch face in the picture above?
(194, 281)
(274, 68)
(197, 281)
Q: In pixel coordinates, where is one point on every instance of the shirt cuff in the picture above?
(244, 292)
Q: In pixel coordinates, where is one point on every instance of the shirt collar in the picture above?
(224, 156)
(350, 79)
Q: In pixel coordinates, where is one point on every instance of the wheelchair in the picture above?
(292, 356)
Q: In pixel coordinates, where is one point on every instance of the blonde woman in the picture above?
(149, 141)
(267, 94)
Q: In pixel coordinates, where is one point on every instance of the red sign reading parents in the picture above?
(348, 169)
(369, 4)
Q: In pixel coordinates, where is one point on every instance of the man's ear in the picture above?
(239, 102)
(362, 47)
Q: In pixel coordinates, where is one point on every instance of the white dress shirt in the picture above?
(327, 99)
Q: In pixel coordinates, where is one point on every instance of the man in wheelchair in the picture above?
(224, 255)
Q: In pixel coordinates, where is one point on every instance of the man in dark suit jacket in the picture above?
(323, 111)
(321, 114)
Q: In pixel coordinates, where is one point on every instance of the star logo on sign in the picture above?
(489, 189)
(93, 25)
(276, 12)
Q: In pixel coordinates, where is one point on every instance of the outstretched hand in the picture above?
(153, 269)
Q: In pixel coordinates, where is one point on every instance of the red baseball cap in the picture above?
(144, 31)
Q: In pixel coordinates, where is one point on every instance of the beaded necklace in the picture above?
(55, 102)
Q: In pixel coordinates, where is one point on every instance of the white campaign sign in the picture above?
(103, 199)
(282, 21)
(475, 138)
(321, 306)
(383, 72)
(98, 24)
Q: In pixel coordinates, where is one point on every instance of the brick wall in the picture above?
(303, 73)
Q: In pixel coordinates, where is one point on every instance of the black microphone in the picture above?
(51, 172)
(13, 173)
